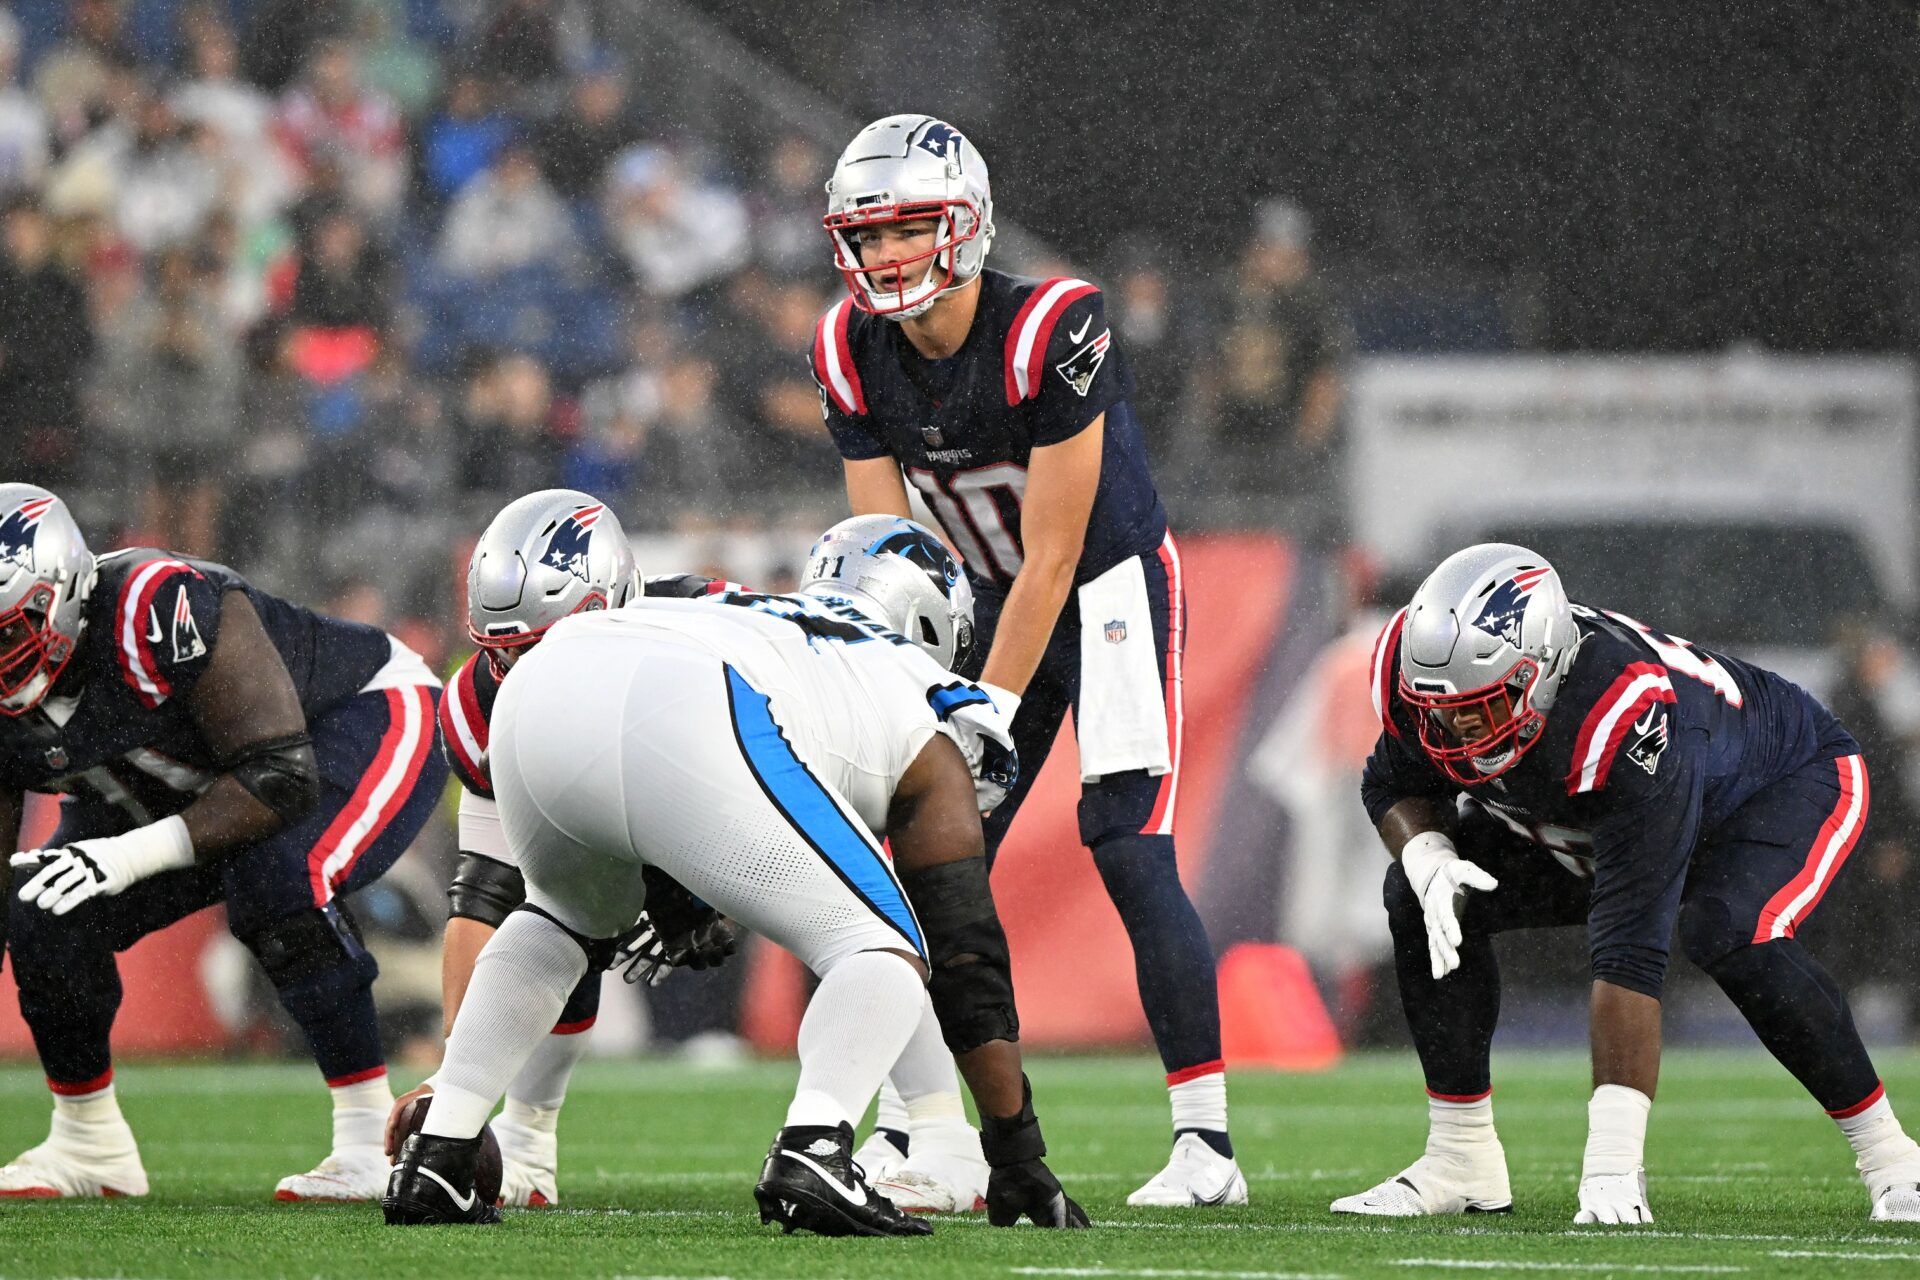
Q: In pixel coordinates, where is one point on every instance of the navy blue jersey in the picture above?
(130, 745)
(1038, 366)
(1651, 742)
(466, 710)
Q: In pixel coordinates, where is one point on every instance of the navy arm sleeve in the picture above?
(1644, 832)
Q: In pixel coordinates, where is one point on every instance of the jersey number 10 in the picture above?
(971, 512)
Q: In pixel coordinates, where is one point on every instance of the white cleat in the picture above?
(1896, 1194)
(936, 1182)
(349, 1174)
(878, 1157)
(1436, 1185)
(529, 1160)
(1195, 1175)
(54, 1171)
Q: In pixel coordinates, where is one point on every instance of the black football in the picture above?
(486, 1167)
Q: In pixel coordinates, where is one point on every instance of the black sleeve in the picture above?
(1646, 825)
(1081, 376)
(686, 586)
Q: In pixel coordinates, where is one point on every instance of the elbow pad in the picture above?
(484, 889)
(280, 773)
(972, 975)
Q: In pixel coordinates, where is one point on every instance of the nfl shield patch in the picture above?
(1116, 631)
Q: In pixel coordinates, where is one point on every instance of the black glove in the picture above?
(1020, 1184)
(676, 931)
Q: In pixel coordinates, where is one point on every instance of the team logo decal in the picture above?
(567, 551)
(56, 757)
(936, 138)
(1507, 606)
(1116, 631)
(933, 437)
(1078, 369)
(1652, 740)
(187, 644)
(17, 529)
(923, 550)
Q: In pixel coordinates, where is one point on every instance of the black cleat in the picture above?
(433, 1183)
(810, 1182)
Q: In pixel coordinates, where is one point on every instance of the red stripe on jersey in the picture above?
(833, 359)
(381, 792)
(1386, 659)
(137, 652)
(1784, 911)
(1032, 330)
(1160, 821)
(463, 726)
(1640, 686)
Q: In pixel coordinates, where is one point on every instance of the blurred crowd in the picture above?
(311, 286)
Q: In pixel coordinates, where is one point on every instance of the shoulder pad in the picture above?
(1032, 330)
(161, 604)
(466, 712)
(833, 364)
(1382, 673)
(1626, 715)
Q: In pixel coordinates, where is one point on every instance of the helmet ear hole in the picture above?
(928, 635)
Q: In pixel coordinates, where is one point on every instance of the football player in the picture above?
(546, 556)
(1004, 403)
(213, 744)
(756, 753)
(1543, 763)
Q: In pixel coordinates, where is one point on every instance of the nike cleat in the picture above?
(1196, 1175)
(811, 1183)
(433, 1183)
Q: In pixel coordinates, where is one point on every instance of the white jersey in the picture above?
(857, 701)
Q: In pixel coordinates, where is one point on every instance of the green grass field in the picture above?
(657, 1164)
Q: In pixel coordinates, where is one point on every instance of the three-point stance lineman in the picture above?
(1542, 763)
(752, 749)
(1005, 402)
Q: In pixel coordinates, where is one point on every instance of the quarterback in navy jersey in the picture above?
(212, 744)
(1004, 403)
(1543, 763)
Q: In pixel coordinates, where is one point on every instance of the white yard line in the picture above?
(1849, 1256)
(1495, 1264)
(1157, 1273)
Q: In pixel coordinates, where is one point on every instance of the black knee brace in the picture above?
(299, 948)
(972, 978)
(1709, 933)
(484, 889)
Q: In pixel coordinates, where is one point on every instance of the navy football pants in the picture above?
(1126, 819)
(1753, 880)
(382, 779)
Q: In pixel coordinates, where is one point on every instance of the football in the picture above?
(486, 1168)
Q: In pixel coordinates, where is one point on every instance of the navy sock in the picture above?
(1172, 959)
(334, 1007)
(898, 1138)
(1214, 1138)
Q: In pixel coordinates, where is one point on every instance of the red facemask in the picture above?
(1510, 724)
(842, 227)
(29, 647)
(502, 650)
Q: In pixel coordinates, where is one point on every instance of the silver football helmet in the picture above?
(1485, 643)
(46, 574)
(902, 576)
(545, 556)
(896, 170)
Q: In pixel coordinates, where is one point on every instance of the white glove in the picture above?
(984, 734)
(1613, 1199)
(1440, 879)
(87, 869)
(1613, 1180)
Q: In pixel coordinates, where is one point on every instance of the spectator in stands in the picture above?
(768, 373)
(23, 123)
(654, 434)
(463, 139)
(75, 79)
(46, 341)
(171, 393)
(1280, 381)
(508, 218)
(169, 178)
(594, 126)
(1156, 328)
(677, 233)
(505, 437)
(527, 44)
(786, 212)
(330, 110)
(282, 34)
(342, 281)
(241, 115)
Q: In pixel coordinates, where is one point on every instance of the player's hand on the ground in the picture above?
(1613, 1199)
(1440, 879)
(58, 880)
(394, 1138)
(1029, 1190)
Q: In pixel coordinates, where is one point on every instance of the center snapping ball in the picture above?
(486, 1166)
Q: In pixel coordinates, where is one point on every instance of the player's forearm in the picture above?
(992, 1073)
(458, 950)
(1409, 818)
(226, 818)
(1625, 1030)
(1027, 622)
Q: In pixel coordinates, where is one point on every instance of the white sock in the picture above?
(542, 1083)
(858, 1022)
(931, 1110)
(360, 1112)
(1879, 1143)
(529, 1134)
(1616, 1131)
(520, 983)
(90, 1124)
(1459, 1127)
(890, 1112)
(1200, 1103)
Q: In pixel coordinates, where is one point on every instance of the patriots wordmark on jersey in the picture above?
(1038, 367)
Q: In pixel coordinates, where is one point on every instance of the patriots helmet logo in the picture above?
(567, 549)
(1506, 607)
(17, 530)
(936, 137)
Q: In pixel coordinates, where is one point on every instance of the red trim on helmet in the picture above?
(43, 651)
(846, 258)
(1456, 759)
(496, 646)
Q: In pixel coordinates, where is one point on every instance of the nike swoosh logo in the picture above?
(153, 626)
(1081, 332)
(1645, 723)
(835, 1183)
(460, 1202)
